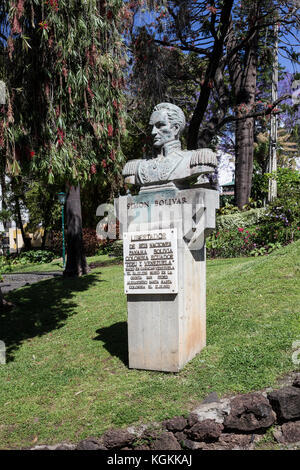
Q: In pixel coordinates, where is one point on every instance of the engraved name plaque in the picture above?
(150, 262)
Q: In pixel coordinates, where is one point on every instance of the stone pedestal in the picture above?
(164, 234)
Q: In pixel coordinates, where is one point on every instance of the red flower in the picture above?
(93, 169)
(44, 25)
(90, 91)
(65, 72)
(240, 229)
(32, 153)
(104, 164)
(110, 130)
(53, 4)
(60, 136)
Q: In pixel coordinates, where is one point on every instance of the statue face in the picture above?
(162, 130)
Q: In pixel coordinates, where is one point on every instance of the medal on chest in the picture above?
(155, 169)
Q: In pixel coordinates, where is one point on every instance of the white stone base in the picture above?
(165, 331)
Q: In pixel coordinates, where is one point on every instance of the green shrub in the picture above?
(281, 221)
(266, 228)
(231, 243)
(36, 257)
(90, 241)
(239, 219)
(54, 242)
(239, 242)
(5, 266)
(114, 248)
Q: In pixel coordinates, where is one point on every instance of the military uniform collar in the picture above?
(170, 147)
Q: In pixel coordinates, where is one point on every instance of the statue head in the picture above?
(168, 122)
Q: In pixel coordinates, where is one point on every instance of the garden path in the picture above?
(17, 280)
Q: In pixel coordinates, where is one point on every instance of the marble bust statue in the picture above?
(169, 163)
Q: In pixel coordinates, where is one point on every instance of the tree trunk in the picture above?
(76, 260)
(243, 72)
(26, 240)
(44, 238)
(4, 304)
(244, 134)
(3, 196)
(244, 138)
(210, 129)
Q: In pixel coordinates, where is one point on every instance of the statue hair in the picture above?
(174, 113)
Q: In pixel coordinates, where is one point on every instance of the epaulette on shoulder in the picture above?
(203, 157)
(130, 168)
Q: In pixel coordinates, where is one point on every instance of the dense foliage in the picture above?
(64, 75)
(90, 241)
(36, 257)
(261, 231)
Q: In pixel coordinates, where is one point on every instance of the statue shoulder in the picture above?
(130, 167)
(203, 157)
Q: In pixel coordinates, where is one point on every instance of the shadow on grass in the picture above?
(115, 339)
(39, 309)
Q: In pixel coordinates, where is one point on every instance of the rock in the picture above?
(296, 382)
(249, 412)
(176, 424)
(236, 441)
(191, 445)
(211, 398)
(117, 438)
(141, 447)
(180, 436)
(207, 431)
(137, 430)
(166, 441)
(230, 442)
(150, 434)
(192, 419)
(90, 444)
(289, 432)
(286, 403)
(61, 446)
(66, 447)
(39, 447)
(277, 434)
(216, 411)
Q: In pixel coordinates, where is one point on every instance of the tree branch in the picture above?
(214, 63)
(264, 112)
(3, 37)
(187, 47)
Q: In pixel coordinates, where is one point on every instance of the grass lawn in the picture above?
(55, 266)
(67, 377)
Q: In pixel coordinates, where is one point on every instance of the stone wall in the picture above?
(238, 422)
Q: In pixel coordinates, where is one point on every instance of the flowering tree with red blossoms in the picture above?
(64, 116)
